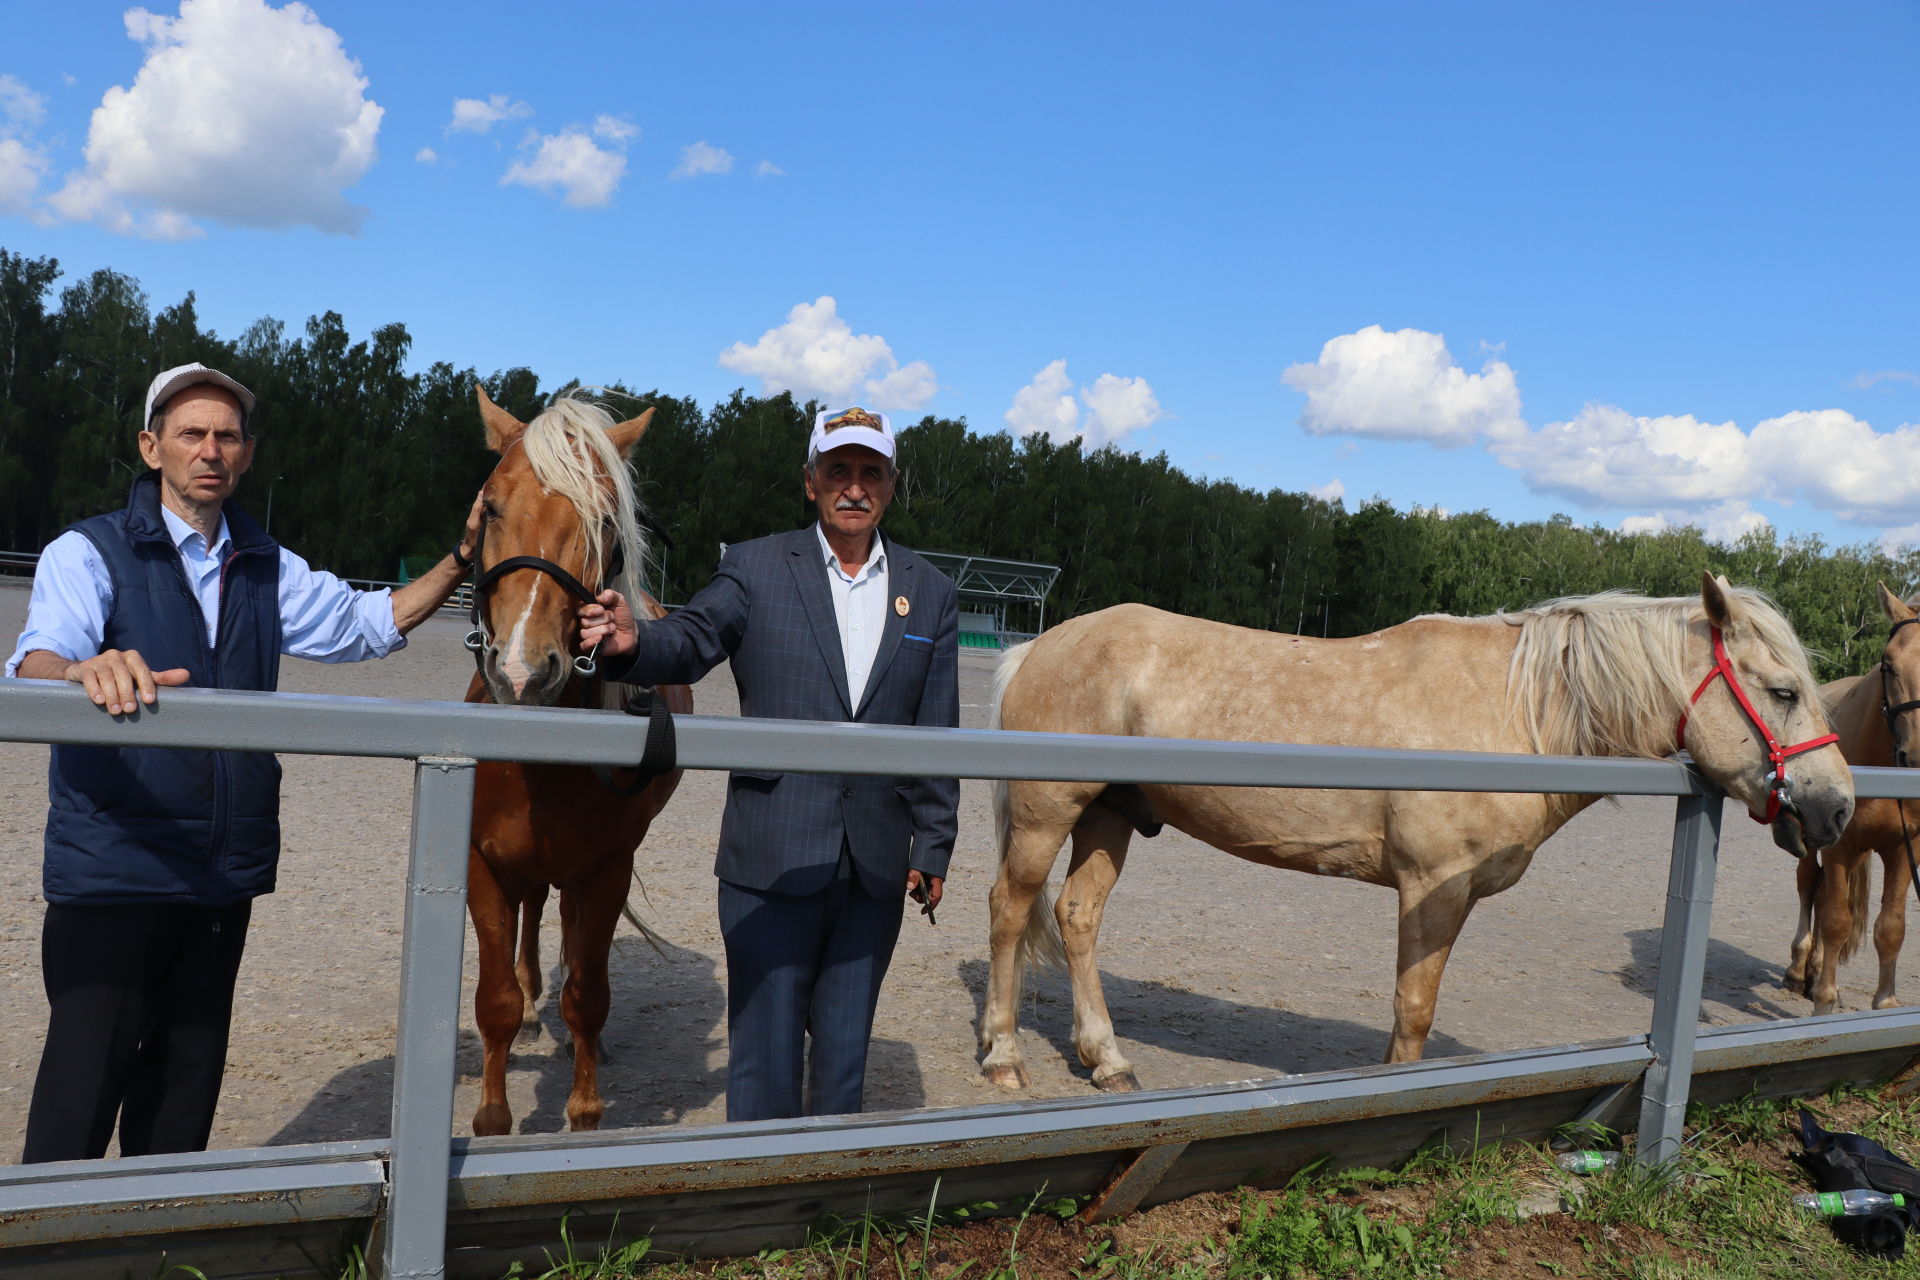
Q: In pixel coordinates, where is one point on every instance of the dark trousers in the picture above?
(800, 967)
(141, 998)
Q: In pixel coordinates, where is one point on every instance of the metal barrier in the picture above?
(72, 1204)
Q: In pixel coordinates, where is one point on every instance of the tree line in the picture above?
(362, 464)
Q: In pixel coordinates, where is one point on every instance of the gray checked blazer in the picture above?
(770, 610)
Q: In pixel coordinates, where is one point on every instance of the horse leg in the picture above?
(1890, 928)
(1040, 814)
(588, 915)
(1431, 915)
(1099, 855)
(526, 963)
(1833, 922)
(1800, 957)
(497, 1000)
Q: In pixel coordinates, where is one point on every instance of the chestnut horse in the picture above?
(561, 494)
(1871, 713)
(1605, 675)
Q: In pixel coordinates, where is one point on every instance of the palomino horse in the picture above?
(561, 498)
(1869, 712)
(1598, 675)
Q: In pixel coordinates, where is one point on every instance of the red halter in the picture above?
(1777, 788)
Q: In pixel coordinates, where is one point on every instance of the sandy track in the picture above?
(1216, 970)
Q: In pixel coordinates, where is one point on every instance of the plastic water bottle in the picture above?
(1847, 1204)
(1588, 1161)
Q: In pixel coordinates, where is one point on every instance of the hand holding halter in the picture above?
(1779, 790)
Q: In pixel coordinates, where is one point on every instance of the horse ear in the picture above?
(502, 427)
(627, 434)
(1717, 595)
(1896, 609)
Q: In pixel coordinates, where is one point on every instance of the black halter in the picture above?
(585, 665)
(1891, 711)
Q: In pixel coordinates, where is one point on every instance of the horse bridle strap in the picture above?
(1778, 790)
(659, 754)
(586, 666)
(1891, 711)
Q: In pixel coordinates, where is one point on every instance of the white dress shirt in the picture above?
(860, 607)
(321, 617)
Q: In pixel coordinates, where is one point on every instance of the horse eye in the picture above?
(1784, 695)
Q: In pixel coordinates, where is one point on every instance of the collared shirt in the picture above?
(321, 617)
(860, 607)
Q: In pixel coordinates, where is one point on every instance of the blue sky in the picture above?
(1640, 263)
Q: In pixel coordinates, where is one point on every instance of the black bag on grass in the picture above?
(1849, 1162)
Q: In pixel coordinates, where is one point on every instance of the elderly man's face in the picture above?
(851, 487)
(198, 447)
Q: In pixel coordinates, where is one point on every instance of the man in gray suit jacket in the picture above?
(831, 622)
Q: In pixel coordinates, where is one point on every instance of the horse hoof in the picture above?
(1008, 1077)
(1118, 1082)
(491, 1121)
(529, 1032)
(1891, 1002)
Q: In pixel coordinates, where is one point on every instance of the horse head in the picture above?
(560, 527)
(1900, 677)
(1763, 738)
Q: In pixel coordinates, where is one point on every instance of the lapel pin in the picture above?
(900, 605)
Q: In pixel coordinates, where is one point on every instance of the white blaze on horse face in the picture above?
(513, 664)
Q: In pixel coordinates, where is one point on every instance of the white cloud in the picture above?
(1861, 381)
(22, 107)
(1046, 404)
(1118, 407)
(768, 169)
(1724, 523)
(1404, 385)
(701, 159)
(426, 155)
(478, 115)
(614, 129)
(1331, 491)
(242, 113)
(817, 356)
(23, 162)
(1607, 456)
(1839, 463)
(21, 168)
(1113, 407)
(570, 164)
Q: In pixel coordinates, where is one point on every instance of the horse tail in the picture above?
(1040, 943)
(1857, 892)
(653, 936)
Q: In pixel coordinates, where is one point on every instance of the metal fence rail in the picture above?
(711, 1189)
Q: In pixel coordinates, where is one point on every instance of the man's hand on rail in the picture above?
(607, 622)
(118, 679)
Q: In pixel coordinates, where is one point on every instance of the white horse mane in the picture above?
(572, 455)
(1607, 674)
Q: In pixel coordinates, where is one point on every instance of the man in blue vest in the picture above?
(154, 856)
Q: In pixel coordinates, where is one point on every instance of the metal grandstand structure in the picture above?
(988, 587)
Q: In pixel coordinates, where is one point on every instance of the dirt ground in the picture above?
(1217, 970)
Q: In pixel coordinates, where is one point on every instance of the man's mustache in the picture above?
(853, 504)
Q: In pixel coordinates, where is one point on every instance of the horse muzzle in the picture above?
(1812, 820)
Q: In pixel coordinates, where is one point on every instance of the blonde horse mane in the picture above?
(1608, 674)
(571, 454)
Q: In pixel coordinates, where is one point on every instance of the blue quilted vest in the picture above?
(151, 824)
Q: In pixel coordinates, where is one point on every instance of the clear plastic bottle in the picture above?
(1846, 1204)
(1588, 1161)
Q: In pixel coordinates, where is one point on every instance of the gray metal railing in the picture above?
(448, 739)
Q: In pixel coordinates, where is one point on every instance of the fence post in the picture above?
(1683, 966)
(423, 1065)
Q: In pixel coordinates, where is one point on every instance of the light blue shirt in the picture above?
(321, 617)
(860, 607)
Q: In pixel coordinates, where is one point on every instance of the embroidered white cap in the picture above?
(180, 377)
(835, 427)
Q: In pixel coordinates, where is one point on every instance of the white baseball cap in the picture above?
(835, 427)
(180, 377)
